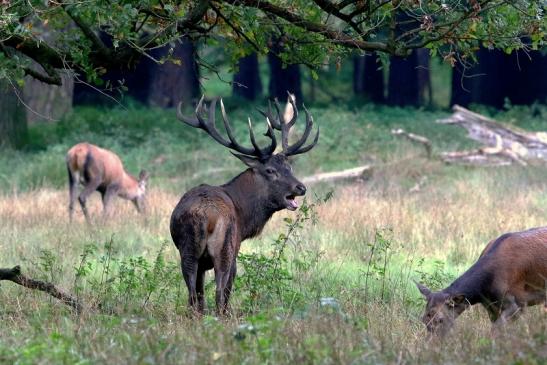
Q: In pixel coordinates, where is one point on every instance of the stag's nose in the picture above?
(300, 189)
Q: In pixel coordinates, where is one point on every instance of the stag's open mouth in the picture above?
(292, 204)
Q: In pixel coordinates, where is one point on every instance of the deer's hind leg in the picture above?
(73, 180)
(90, 187)
(189, 268)
(223, 262)
(230, 282)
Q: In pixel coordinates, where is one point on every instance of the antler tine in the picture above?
(291, 122)
(252, 137)
(209, 125)
(275, 122)
(308, 147)
(193, 122)
(233, 142)
(256, 151)
(271, 134)
(297, 148)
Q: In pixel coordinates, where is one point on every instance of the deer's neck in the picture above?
(475, 284)
(251, 200)
(129, 188)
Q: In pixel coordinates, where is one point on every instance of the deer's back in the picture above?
(518, 261)
(202, 215)
(92, 161)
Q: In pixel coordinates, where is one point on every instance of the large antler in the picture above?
(209, 127)
(278, 123)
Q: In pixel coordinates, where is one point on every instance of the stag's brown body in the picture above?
(510, 274)
(99, 169)
(210, 222)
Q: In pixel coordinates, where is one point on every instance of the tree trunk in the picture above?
(403, 81)
(409, 81)
(13, 124)
(520, 78)
(368, 78)
(247, 82)
(48, 102)
(171, 83)
(283, 79)
(525, 76)
(163, 85)
(461, 86)
(425, 92)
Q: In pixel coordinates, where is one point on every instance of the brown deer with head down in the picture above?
(510, 274)
(99, 169)
(210, 222)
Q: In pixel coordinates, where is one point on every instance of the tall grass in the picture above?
(345, 293)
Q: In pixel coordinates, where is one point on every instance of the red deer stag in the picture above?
(510, 274)
(210, 222)
(102, 170)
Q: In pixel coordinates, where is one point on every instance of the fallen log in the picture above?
(356, 173)
(14, 275)
(503, 144)
(414, 138)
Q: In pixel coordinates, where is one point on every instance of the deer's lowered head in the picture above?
(441, 310)
(135, 190)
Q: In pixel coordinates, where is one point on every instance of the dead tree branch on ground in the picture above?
(14, 275)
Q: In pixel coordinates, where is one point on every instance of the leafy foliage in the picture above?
(268, 278)
(94, 36)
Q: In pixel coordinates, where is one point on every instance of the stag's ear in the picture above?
(456, 300)
(423, 289)
(247, 160)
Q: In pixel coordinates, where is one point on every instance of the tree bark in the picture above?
(163, 85)
(520, 78)
(48, 102)
(503, 144)
(171, 83)
(247, 82)
(409, 81)
(13, 124)
(368, 78)
(283, 79)
(15, 275)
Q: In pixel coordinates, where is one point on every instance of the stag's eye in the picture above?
(270, 171)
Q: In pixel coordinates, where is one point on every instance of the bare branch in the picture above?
(88, 32)
(414, 138)
(14, 275)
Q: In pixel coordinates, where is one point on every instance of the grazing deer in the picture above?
(210, 222)
(510, 274)
(102, 170)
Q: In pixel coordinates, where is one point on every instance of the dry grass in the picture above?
(450, 219)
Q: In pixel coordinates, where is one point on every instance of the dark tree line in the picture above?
(519, 77)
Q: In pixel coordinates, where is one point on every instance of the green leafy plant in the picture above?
(268, 277)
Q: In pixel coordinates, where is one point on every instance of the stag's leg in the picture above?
(221, 280)
(91, 186)
(200, 289)
(229, 284)
(73, 179)
(189, 266)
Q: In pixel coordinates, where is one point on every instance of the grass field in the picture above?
(339, 290)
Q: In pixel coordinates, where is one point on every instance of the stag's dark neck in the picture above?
(475, 283)
(251, 201)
